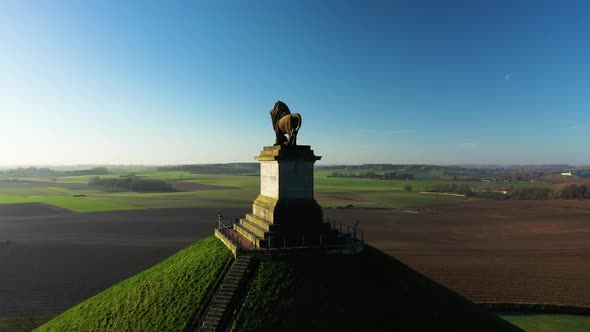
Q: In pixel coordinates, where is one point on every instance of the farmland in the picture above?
(491, 251)
(206, 190)
(64, 242)
(52, 259)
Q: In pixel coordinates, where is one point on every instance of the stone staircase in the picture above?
(264, 234)
(226, 295)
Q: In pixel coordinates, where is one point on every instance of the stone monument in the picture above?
(285, 214)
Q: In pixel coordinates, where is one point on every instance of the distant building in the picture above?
(566, 173)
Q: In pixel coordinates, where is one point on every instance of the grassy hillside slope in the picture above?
(162, 298)
(367, 292)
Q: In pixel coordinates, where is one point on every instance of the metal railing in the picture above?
(227, 231)
(351, 234)
(346, 230)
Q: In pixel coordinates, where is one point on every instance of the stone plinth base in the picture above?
(285, 213)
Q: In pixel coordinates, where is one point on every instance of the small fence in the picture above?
(227, 231)
(346, 234)
(353, 231)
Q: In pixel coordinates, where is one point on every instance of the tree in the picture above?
(407, 187)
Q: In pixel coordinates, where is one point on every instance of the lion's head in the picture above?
(278, 111)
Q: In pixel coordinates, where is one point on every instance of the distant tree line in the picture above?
(374, 175)
(466, 178)
(232, 168)
(530, 193)
(561, 191)
(42, 172)
(389, 167)
(572, 191)
(364, 175)
(462, 189)
(130, 184)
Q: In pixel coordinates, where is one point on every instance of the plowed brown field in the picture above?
(52, 259)
(491, 251)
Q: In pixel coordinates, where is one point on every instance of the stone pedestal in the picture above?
(286, 213)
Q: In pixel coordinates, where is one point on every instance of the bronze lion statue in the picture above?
(285, 123)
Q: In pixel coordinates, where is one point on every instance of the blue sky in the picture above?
(154, 82)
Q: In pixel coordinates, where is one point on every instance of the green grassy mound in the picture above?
(367, 292)
(162, 298)
(550, 323)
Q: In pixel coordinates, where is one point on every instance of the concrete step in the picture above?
(260, 222)
(258, 241)
(220, 303)
(226, 291)
(238, 270)
(232, 279)
(253, 228)
(242, 264)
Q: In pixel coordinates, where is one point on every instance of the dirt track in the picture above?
(491, 251)
(56, 259)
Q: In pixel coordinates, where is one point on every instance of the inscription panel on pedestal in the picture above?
(269, 179)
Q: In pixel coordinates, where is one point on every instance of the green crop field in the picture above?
(73, 193)
(550, 323)
(163, 298)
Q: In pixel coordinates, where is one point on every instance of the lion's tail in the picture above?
(298, 117)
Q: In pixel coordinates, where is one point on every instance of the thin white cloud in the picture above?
(470, 145)
(581, 127)
(507, 77)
